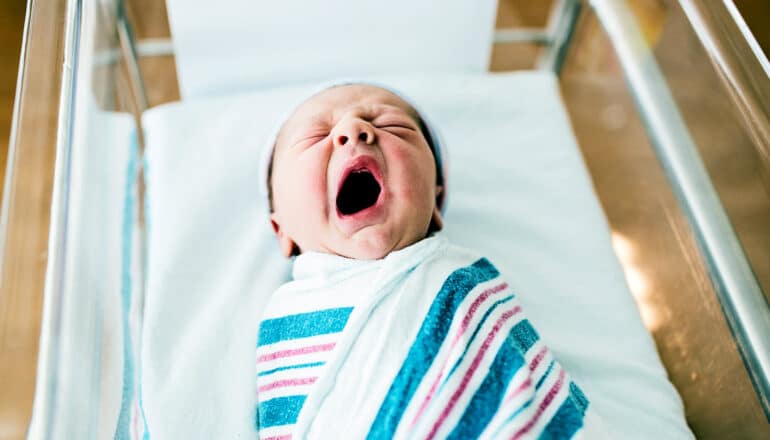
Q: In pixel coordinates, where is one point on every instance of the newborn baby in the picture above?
(387, 330)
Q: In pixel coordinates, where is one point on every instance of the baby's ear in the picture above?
(439, 192)
(436, 222)
(284, 241)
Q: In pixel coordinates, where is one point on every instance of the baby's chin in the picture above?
(374, 245)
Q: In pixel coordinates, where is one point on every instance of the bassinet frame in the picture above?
(741, 297)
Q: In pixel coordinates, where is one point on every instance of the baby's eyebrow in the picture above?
(383, 108)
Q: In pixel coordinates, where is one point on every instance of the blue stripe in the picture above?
(547, 372)
(528, 402)
(427, 344)
(486, 401)
(565, 423)
(279, 411)
(122, 430)
(514, 414)
(303, 325)
(581, 401)
(290, 367)
(147, 229)
(525, 335)
(470, 341)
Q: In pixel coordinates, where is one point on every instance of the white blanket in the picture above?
(430, 342)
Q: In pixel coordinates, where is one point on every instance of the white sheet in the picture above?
(520, 194)
(242, 44)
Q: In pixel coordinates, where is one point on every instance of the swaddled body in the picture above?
(387, 330)
(429, 342)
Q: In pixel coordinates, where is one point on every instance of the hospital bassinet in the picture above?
(77, 224)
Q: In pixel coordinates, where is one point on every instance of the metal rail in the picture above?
(561, 26)
(151, 47)
(555, 37)
(743, 302)
(128, 48)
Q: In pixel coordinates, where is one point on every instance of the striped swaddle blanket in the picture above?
(292, 353)
(429, 342)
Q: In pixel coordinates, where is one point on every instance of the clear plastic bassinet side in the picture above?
(625, 58)
(71, 235)
(691, 75)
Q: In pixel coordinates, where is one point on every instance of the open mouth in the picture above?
(359, 191)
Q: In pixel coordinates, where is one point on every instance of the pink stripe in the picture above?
(476, 303)
(427, 399)
(295, 351)
(536, 361)
(472, 369)
(543, 405)
(279, 437)
(527, 383)
(287, 383)
(463, 327)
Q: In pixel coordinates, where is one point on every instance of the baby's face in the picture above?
(353, 175)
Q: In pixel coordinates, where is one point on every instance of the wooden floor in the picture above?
(650, 236)
(11, 28)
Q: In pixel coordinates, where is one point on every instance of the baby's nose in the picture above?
(352, 131)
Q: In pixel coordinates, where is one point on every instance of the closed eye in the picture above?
(395, 126)
(310, 140)
(408, 127)
(399, 130)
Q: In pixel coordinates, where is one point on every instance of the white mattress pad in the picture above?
(242, 44)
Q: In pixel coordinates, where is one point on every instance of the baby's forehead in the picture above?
(325, 106)
(341, 98)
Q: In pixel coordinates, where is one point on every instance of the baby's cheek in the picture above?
(310, 179)
(423, 172)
